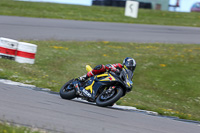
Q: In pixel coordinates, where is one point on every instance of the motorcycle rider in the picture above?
(128, 62)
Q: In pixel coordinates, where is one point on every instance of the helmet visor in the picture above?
(130, 65)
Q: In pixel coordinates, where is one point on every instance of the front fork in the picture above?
(111, 88)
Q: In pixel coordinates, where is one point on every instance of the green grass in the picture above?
(166, 79)
(7, 128)
(96, 13)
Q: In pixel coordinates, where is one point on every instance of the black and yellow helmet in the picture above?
(129, 63)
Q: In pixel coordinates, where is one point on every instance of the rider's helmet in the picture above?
(129, 63)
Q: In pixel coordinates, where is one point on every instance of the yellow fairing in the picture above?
(128, 84)
(113, 79)
(102, 75)
(88, 68)
(125, 67)
(109, 77)
(90, 87)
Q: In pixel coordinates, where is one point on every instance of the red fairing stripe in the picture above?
(26, 54)
(7, 51)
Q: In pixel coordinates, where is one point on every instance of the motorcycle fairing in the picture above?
(97, 82)
(108, 77)
(90, 87)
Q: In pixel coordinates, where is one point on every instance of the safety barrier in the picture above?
(8, 48)
(21, 52)
(26, 53)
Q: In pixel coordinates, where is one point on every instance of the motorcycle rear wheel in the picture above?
(67, 92)
(100, 101)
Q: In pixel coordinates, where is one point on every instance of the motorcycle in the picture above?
(104, 89)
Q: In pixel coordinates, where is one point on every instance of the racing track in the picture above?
(25, 106)
(28, 107)
(43, 29)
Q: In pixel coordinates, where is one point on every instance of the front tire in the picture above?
(67, 91)
(101, 101)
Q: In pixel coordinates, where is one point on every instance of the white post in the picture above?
(131, 9)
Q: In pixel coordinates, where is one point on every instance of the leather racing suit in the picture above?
(101, 69)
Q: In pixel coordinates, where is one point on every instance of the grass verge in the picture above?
(7, 128)
(166, 79)
(96, 13)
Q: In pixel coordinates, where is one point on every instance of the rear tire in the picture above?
(109, 102)
(67, 92)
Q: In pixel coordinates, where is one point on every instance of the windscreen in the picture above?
(129, 73)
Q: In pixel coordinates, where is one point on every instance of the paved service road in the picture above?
(48, 111)
(43, 29)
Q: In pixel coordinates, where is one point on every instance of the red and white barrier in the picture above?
(19, 51)
(26, 53)
(8, 47)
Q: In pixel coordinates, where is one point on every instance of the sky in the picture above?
(76, 2)
(185, 5)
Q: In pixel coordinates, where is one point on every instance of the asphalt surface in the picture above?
(28, 107)
(32, 108)
(45, 29)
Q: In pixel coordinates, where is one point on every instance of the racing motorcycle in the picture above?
(104, 89)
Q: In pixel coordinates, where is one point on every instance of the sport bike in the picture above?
(104, 89)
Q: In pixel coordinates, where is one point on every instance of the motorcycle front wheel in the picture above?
(67, 91)
(107, 99)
